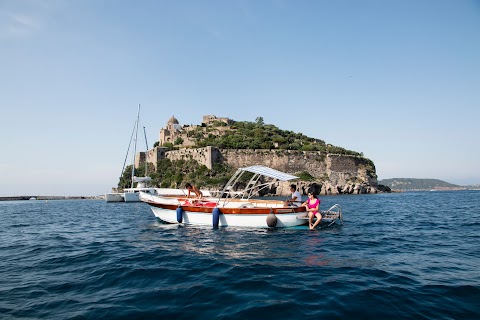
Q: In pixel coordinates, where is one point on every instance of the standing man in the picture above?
(296, 196)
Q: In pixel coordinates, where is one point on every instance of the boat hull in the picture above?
(231, 213)
(229, 220)
(131, 197)
(114, 197)
(132, 194)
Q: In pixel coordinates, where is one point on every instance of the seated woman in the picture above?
(313, 208)
(191, 188)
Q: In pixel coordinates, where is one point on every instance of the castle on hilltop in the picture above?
(184, 137)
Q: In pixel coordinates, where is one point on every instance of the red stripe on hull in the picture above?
(203, 209)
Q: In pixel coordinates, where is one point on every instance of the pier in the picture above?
(49, 198)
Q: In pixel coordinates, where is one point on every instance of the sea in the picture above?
(411, 255)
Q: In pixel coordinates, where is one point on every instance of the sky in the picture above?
(398, 80)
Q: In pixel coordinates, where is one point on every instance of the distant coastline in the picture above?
(414, 184)
(102, 197)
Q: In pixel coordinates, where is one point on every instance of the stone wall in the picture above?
(337, 174)
(289, 161)
(206, 156)
(342, 169)
(338, 169)
(153, 156)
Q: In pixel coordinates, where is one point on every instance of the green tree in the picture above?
(168, 145)
(178, 141)
(259, 121)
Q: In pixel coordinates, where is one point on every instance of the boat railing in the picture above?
(332, 215)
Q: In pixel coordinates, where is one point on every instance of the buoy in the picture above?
(179, 215)
(215, 217)
(272, 220)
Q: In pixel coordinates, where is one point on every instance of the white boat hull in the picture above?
(131, 197)
(114, 197)
(131, 194)
(230, 220)
(177, 192)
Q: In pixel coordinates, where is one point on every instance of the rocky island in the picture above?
(222, 144)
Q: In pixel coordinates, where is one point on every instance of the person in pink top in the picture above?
(313, 208)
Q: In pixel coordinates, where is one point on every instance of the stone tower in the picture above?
(170, 132)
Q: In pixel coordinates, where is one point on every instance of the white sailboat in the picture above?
(131, 194)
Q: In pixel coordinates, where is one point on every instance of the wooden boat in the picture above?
(232, 207)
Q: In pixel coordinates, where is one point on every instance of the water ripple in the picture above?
(398, 256)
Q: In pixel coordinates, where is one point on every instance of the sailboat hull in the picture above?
(114, 197)
(131, 194)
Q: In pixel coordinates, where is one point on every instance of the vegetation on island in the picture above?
(174, 174)
(254, 135)
(240, 135)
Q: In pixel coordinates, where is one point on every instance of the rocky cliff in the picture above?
(335, 173)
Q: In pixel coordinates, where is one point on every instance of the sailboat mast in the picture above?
(146, 151)
(126, 155)
(135, 144)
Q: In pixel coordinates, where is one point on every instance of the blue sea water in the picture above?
(397, 256)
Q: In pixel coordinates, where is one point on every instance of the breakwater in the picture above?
(47, 198)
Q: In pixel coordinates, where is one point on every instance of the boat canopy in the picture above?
(237, 188)
(269, 172)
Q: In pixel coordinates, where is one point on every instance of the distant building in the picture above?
(211, 119)
(173, 131)
(182, 137)
(170, 132)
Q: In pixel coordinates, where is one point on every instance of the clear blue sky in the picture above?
(396, 80)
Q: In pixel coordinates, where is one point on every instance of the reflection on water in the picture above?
(270, 247)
